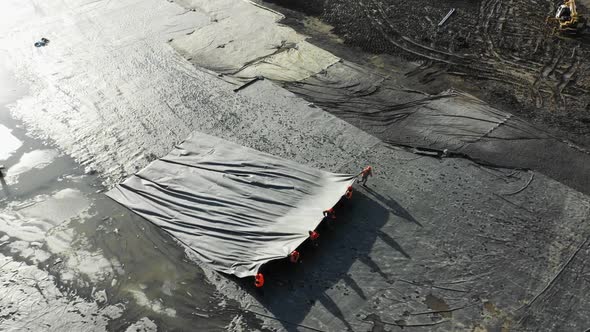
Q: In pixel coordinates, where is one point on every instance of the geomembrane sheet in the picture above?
(236, 207)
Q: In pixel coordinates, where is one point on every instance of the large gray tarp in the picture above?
(236, 207)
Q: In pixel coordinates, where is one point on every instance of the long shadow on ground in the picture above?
(292, 289)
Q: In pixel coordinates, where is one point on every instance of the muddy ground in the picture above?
(501, 51)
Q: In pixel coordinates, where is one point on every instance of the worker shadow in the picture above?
(393, 206)
(325, 275)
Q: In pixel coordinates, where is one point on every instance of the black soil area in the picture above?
(502, 51)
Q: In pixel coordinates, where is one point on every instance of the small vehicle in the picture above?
(44, 41)
(567, 19)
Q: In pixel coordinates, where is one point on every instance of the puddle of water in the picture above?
(9, 144)
(25, 230)
(31, 300)
(59, 240)
(155, 305)
(32, 219)
(29, 251)
(58, 220)
(63, 205)
(92, 265)
(37, 159)
(44, 226)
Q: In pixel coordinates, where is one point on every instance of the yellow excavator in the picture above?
(569, 22)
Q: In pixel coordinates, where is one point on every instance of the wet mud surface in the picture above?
(72, 259)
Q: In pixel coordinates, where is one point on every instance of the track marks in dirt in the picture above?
(377, 17)
(504, 34)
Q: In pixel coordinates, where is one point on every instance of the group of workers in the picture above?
(329, 214)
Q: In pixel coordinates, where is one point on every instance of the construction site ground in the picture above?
(476, 218)
(502, 51)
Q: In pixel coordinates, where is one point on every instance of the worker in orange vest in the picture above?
(329, 213)
(313, 235)
(259, 280)
(294, 256)
(348, 193)
(365, 173)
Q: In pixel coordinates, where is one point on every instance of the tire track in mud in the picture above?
(500, 25)
(491, 11)
(403, 42)
(464, 65)
(554, 71)
(498, 48)
(408, 40)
